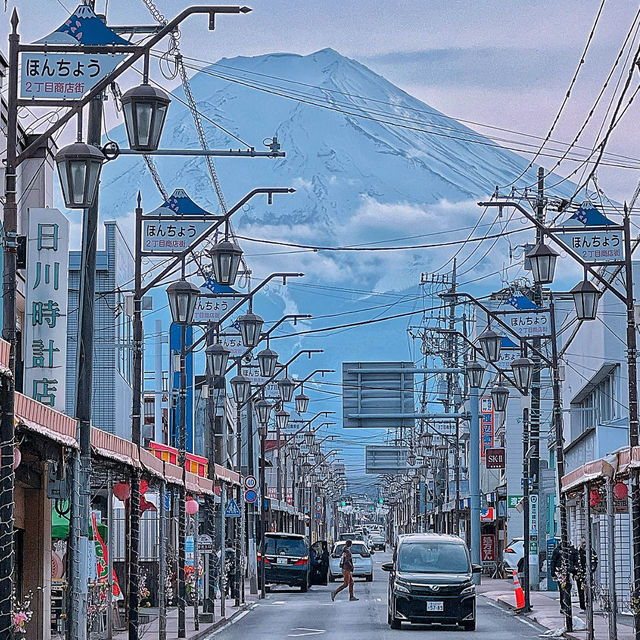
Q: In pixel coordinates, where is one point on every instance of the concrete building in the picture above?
(112, 359)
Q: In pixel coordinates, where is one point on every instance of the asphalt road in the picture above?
(287, 613)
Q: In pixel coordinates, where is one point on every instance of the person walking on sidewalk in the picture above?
(346, 564)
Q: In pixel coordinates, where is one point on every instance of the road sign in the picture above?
(205, 543)
(495, 458)
(232, 510)
(385, 459)
(513, 500)
(250, 482)
(250, 496)
(533, 514)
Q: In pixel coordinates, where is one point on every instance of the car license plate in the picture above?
(281, 561)
(437, 605)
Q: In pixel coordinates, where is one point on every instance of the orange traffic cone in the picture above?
(519, 591)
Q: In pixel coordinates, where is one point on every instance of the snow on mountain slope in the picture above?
(358, 180)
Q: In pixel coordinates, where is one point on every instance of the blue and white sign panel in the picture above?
(524, 317)
(232, 510)
(69, 76)
(597, 246)
(45, 345)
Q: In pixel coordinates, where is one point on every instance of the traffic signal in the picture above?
(380, 500)
(343, 503)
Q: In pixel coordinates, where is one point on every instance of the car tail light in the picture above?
(261, 557)
(509, 550)
(301, 562)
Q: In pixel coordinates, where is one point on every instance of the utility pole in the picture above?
(81, 492)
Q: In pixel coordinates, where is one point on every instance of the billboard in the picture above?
(378, 394)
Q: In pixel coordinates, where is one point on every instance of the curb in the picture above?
(202, 635)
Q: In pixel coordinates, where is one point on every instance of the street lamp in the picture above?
(267, 361)
(79, 166)
(240, 388)
(411, 458)
(250, 326)
(282, 419)
(585, 297)
(490, 344)
(309, 437)
(302, 403)
(217, 356)
(263, 411)
(475, 373)
(522, 372)
(500, 395)
(183, 296)
(145, 110)
(286, 387)
(543, 263)
(442, 450)
(225, 262)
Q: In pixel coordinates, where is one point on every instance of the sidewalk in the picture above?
(545, 610)
(150, 629)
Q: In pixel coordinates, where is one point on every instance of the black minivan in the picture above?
(430, 581)
(290, 560)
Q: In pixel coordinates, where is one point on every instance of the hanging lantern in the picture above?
(225, 262)
(282, 419)
(585, 298)
(241, 389)
(543, 263)
(302, 403)
(263, 410)
(122, 491)
(192, 507)
(145, 109)
(522, 372)
(267, 361)
(475, 373)
(250, 326)
(490, 344)
(286, 388)
(500, 396)
(17, 457)
(217, 356)
(620, 490)
(594, 497)
(183, 296)
(79, 166)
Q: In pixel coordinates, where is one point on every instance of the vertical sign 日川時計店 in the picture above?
(45, 357)
(486, 424)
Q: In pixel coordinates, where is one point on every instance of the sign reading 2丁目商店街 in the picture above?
(45, 357)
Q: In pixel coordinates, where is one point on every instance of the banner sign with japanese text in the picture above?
(597, 244)
(528, 324)
(171, 236)
(486, 424)
(70, 75)
(212, 309)
(45, 357)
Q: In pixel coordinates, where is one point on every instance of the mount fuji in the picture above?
(360, 179)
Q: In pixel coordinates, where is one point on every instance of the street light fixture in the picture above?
(250, 326)
(225, 262)
(411, 458)
(263, 411)
(267, 361)
(79, 166)
(475, 373)
(145, 110)
(585, 297)
(286, 387)
(302, 403)
(240, 388)
(522, 372)
(490, 344)
(500, 395)
(217, 356)
(543, 263)
(182, 296)
(282, 419)
(309, 437)
(442, 451)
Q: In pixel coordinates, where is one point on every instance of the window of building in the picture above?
(596, 404)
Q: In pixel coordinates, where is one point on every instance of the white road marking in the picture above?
(279, 602)
(306, 632)
(236, 619)
(523, 620)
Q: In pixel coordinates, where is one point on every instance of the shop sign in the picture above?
(45, 358)
(533, 514)
(488, 548)
(495, 458)
(486, 424)
(512, 500)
